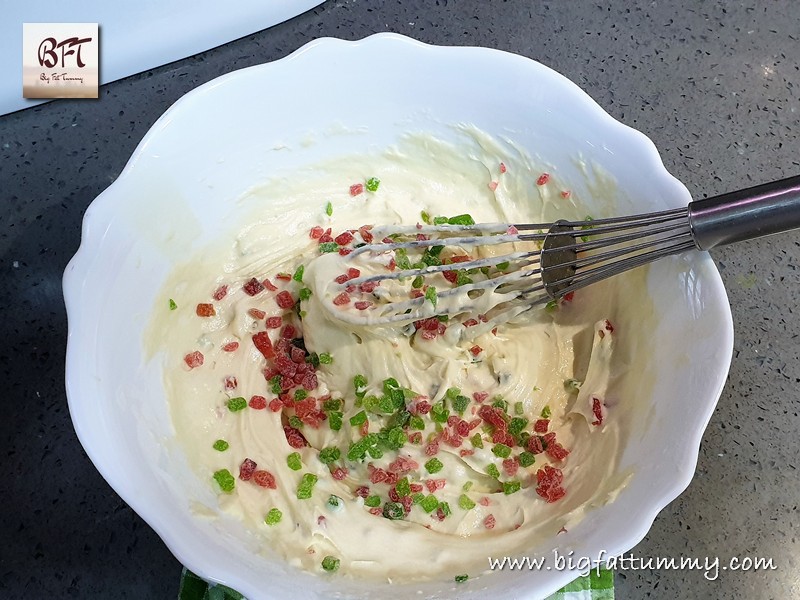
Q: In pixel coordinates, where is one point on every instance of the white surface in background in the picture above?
(136, 36)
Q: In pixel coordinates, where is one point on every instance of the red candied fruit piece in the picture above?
(451, 276)
(597, 411)
(342, 278)
(480, 396)
(269, 285)
(376, 510)
(264, 345)
(424, 407)
(366, 235)
(503, 437)
(289, 332)
(275, 405)
(470, 322)
(265, 479)
(294, 437)
(462, 428)
(568, 297)
(557, 452)
(310, 381)
(503, 168)
(352, 273)
(343, 238)
(391, 265)
(284, 276)
(475, 350)
(253, 287)
(369, 286)
(463, 453)
(230, 383)
(452, 420)
(326, 236)
(220, 292)
(274, 322)
(362, 491)
(284, 299)
(378, 475)
(609, 326)
(246, 469)
(344, 251)
(342, 299)
(511, 466)
(543, 178)
(416, 488)
(484, 501)
(393, 495)
(535, 445)
(194, 359)
(415, 293)
(432, 448)
(541, 425)
(489, 522)
(339, 473)
(356, 189)
(549, 438)
(549, 476)
(298, 356)
(230, 347)
(258, 402)
(205, 310)
(256, 313)
(362, 304)
(316, 232)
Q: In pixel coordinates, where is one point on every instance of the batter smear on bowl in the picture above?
(443, 440)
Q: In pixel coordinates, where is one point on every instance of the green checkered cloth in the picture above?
(594, 586)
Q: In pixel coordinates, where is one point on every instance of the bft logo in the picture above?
(60, 60)
(48, 57)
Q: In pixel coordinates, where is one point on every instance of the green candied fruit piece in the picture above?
(434, 465)
(298, 274)
(335, 503)
(493, 471)
(464, 219)
(516, 425)
(403, 487)
(306, 486)
(328, 247)
(502, 266)
(295, 422)
(373, 183)
(445, 508)
(430, 295)
(416, 422)
(460, 404)
(360, 385)
(294, 461)
(329, 455)
(501, 404)
(439, 413)
(335, 420)
(551, 306)
(465, 502)
(329, 209)
(519, 408)
(546, 412)
(300, 395)
(467, 486)
(393, 511)
(476, 440)
(358, 419)
(304, 293)
(273, 517)
(440, 220)
(511, 487)
(325, 358)
(225, 480)
(526, 459)
(501, 450)
(461, 578)
(426, 217)
(237, 404)
(330, 564)
(417, 497)
(372, 501)
(429, 503)
(221, 445)
(417, 282)
(172, 305)
(452, 393)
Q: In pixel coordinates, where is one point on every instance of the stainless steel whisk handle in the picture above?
(746, 214)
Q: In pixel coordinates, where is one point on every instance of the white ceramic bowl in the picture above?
(219, 140)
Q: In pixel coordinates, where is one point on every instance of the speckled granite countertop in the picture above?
(715, 86)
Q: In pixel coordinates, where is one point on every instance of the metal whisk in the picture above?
(559, 258)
